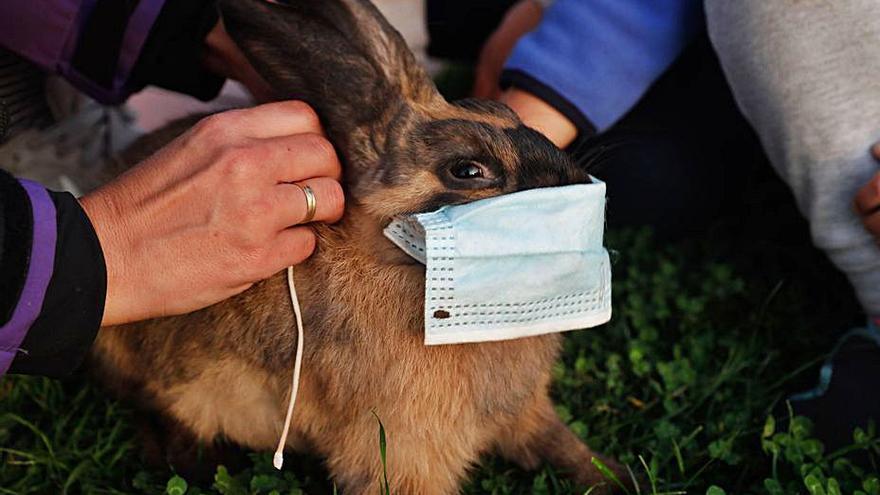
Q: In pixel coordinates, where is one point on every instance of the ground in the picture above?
(686, 385)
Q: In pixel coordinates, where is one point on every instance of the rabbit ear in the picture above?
(340, 56)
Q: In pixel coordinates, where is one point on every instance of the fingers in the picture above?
(300, 157)
(867, 200)
(281, 118)
(293, 207)
(872, 224)
(292, 246)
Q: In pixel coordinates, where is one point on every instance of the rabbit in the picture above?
(224, 372)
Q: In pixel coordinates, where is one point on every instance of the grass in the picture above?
(686, 385)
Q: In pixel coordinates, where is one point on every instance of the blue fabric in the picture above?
(602, 55)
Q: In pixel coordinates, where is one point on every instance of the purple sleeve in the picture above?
(46, 32)
(39, 273)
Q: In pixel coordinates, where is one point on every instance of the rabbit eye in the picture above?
(467, 170)
(468, 173)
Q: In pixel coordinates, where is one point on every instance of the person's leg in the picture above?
(657, 179)
(682, 157)
(805, 76)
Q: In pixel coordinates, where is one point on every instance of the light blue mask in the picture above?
(517, 265)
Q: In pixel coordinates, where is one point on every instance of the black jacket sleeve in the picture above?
(172, 53)
(73, 305)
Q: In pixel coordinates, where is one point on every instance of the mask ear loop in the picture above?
(278, 459)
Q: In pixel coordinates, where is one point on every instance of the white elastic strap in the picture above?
(278, 459)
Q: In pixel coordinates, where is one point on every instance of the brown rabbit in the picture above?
(224, 372)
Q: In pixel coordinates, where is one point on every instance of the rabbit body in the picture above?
(224, 372)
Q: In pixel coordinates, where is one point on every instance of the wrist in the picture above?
(541, 116)
(106, 219)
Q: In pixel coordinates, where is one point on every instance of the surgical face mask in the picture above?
(517, 265)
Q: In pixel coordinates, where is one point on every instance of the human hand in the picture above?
(541, 116)
(214, 211)
(224, 58)
(519, 20)
(867, 201)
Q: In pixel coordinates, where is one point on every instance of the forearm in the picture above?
(53, 280)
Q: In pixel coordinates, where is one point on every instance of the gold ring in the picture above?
(311, 203)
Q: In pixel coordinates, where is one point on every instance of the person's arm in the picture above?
(588, 63)
(203, 219)
(110, 49)
(53, 280)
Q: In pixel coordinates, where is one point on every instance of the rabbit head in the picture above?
(404, 148)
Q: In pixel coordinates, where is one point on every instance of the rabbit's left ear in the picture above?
(340, 56)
